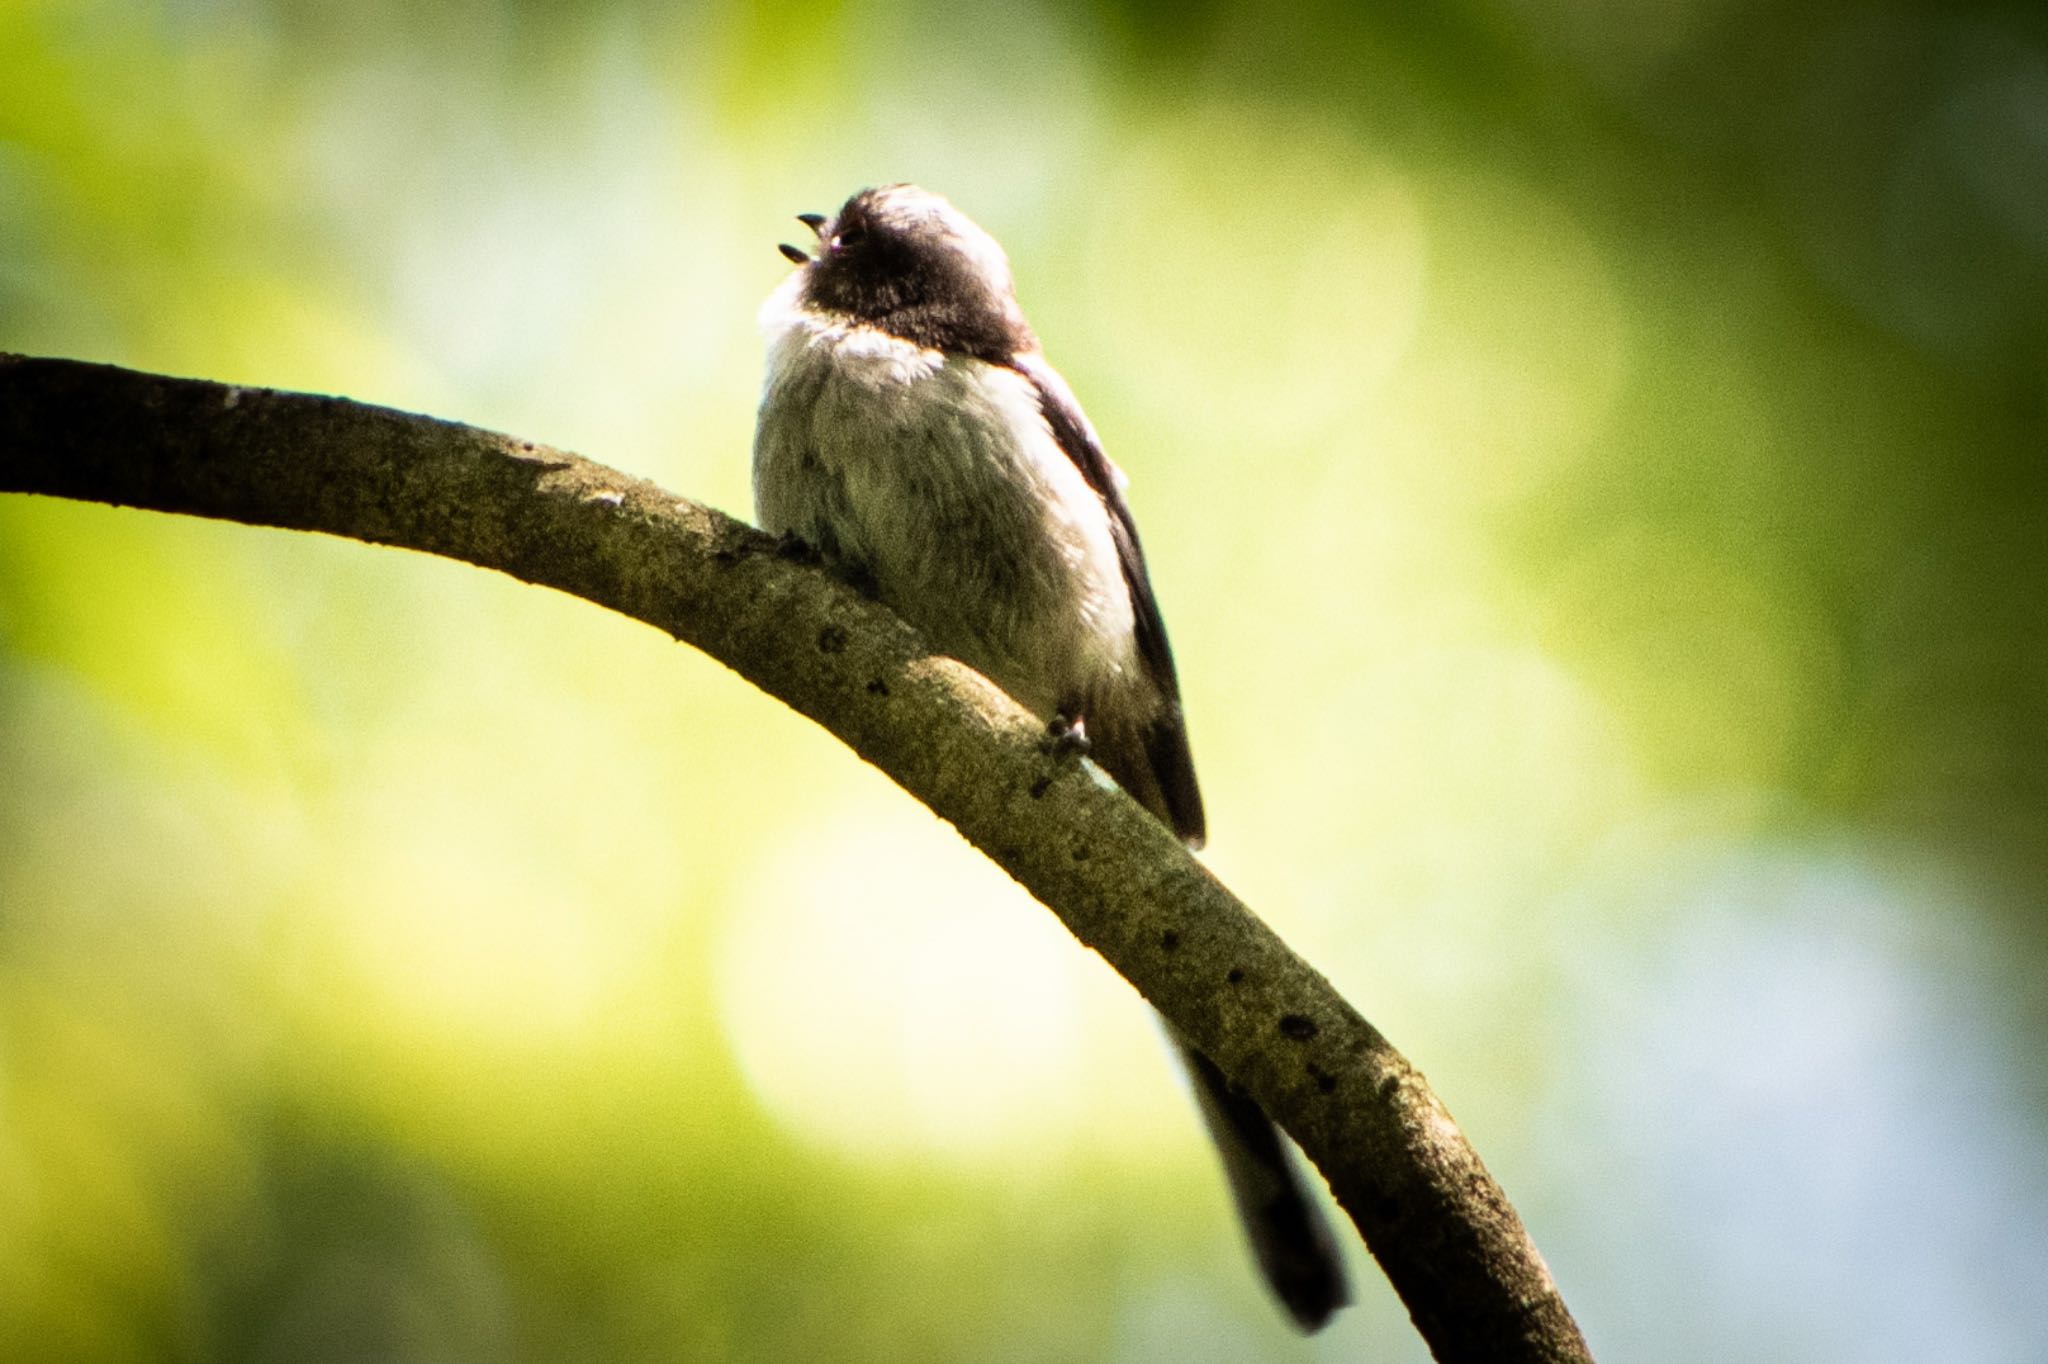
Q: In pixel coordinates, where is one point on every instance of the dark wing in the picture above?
(1166, 743)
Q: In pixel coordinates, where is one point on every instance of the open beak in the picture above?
(797, 255)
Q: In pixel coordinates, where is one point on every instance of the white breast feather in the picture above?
(916, 438)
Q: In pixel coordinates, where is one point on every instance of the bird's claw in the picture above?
(1067, 736)
(793, 547)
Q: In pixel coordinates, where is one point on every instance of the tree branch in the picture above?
(1441, 1228)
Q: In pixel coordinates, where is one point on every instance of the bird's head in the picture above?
(902, 259)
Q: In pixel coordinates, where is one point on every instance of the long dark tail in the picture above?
(1287, 1232)
(1288, 1235)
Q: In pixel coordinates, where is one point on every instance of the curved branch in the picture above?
(1439, 1225)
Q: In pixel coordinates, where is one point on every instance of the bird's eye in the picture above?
(850, 235)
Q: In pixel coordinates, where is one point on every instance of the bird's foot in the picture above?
(1067, 736)
(860, 578)
(793, 547)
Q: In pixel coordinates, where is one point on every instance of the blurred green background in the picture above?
(1592, 459)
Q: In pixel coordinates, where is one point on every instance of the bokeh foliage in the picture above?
(1592, 457)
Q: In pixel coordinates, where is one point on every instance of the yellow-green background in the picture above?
(1592, 459)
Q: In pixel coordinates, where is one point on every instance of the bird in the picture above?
(913, 437)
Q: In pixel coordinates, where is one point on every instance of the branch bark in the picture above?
(1438, 1224)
